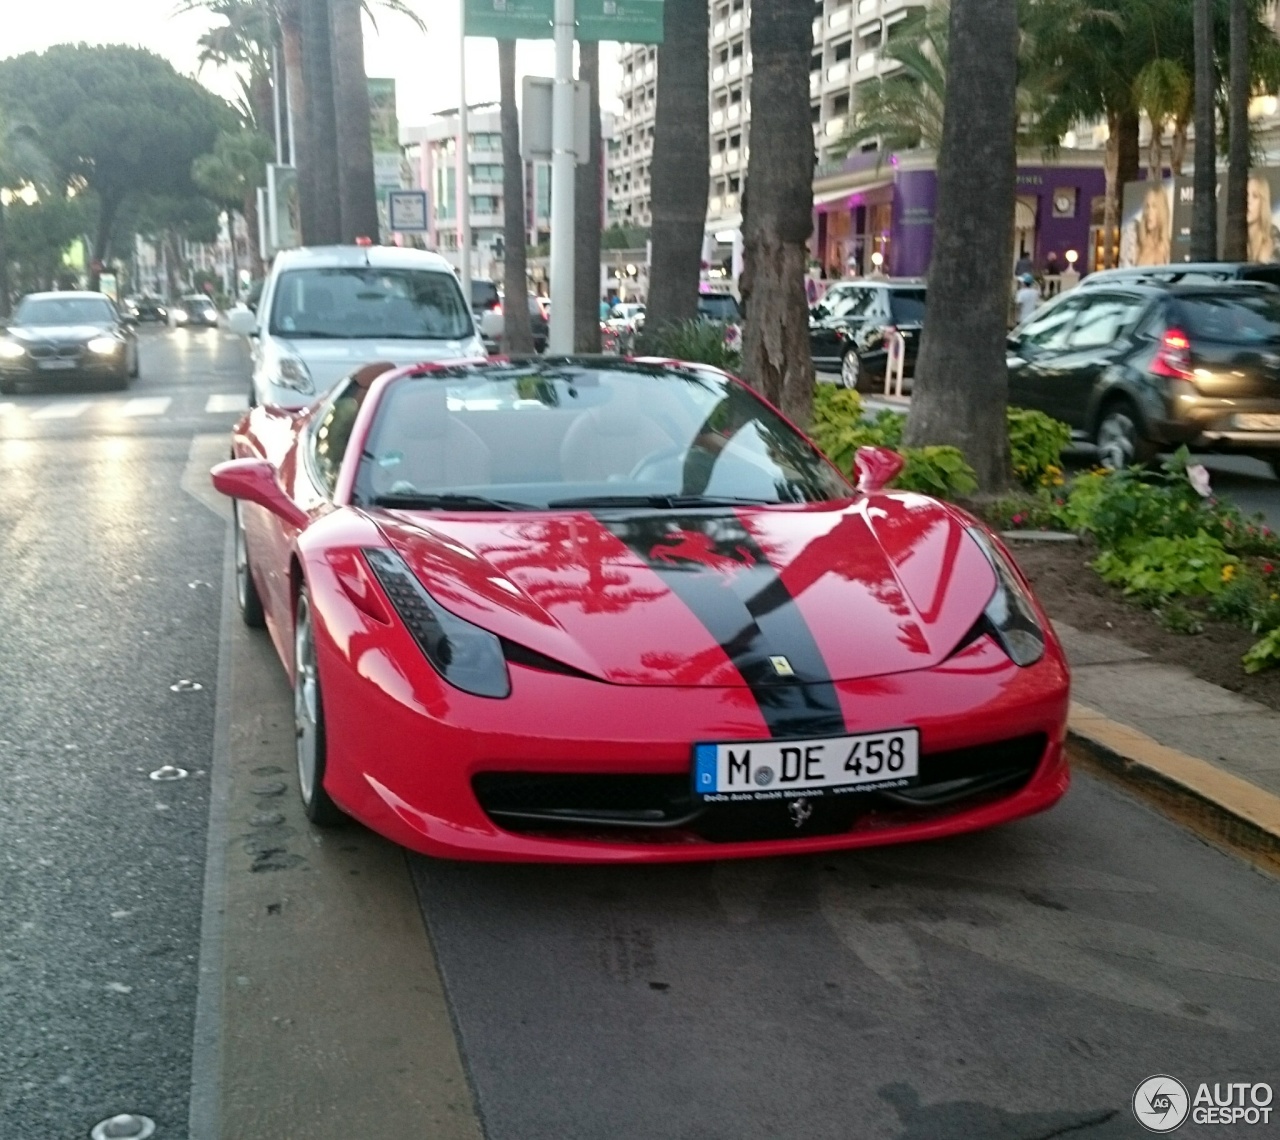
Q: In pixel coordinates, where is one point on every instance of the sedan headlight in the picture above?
(104, 345)
(179, 315)
(468, 657)
(1010, 616)
(290, 372)
(11, 350)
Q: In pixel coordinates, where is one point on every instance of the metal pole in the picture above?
(462, 188)
(276, 106)
(563, 164)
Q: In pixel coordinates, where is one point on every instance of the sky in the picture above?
(425, 67)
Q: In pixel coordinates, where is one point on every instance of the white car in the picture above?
(327, 310)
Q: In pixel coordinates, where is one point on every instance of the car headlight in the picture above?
(468, 657)
(179, 315)
(290, 372)
(104, 345)
(11, 350)
(1010, 616)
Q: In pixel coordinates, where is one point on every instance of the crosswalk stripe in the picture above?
(60, 411)
(227, 402)
(146, 406)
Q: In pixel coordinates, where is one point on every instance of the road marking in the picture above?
(227, 403)
(61, 411)
(146, 406)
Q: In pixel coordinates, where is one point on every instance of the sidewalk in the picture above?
(1159, 725)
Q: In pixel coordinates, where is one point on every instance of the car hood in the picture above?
(36, 333)
(329, 361)
(883, 585)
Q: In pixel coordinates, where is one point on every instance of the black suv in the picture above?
(850, 326)
(1138, 368)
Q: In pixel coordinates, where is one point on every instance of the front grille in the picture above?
(663, 808)
(51, 351)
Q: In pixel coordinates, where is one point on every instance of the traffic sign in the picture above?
(509, 19)
(407, 210)
(627, 21)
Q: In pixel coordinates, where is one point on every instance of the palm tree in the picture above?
(358, 202)
(680, 176)
(1162, 91)
(517, 333)
(961, 386)
(1204, 211)
(1236, 239)
(588, 220)
(778, 208)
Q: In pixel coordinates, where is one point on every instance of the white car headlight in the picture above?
(104, 345)
(179, 315)
(290, 372)
(11, 350)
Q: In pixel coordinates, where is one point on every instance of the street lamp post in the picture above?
(563, 174)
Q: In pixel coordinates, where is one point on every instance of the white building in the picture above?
(847, 38)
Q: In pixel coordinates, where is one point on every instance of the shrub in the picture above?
(938, 471)
(1036, 443)
(1264, 653)
(697, 341)
(1156, 569)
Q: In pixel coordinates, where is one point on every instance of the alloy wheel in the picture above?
(305, 700)
(242, 557)
(850, 367)
(1117, 440)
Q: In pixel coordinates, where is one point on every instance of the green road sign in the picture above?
(627, 21)
(510, 19)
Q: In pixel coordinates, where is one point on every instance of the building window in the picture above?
(844, 50)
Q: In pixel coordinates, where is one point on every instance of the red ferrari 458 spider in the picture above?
(596, 610)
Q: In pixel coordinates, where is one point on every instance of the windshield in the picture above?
(49, 311)
(361, 301)
(559, 437)
(1237, 319)
(718, 307)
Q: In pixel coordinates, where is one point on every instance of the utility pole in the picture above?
(462, 178)
(563, 174)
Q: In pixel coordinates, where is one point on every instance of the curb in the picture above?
(1228, 807)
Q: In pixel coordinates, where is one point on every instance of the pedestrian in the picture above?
(1051, 266)
(1027, 298)
(1023, 267)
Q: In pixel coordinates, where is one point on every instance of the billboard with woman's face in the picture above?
(1146, 226)
(1264, 236)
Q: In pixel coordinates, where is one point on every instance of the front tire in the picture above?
(308, 714)
(1119, 438)
(247, 596)
(852, 375)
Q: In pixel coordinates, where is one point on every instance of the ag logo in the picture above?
(1161, 1103)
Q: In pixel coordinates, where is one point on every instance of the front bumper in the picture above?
(413, 759)
(28, 370)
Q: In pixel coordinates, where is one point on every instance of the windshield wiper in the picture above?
(313, 334)
(661, 502)
(446, 501)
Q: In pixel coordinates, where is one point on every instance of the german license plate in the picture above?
(1258, 421)
(57, 365)
(839, 765)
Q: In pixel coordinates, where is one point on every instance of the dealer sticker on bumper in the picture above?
(770, 770)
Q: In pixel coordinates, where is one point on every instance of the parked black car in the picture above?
(67, 336)
(1186, 273)
(722, 307)
(1138, 368)
(850, 327)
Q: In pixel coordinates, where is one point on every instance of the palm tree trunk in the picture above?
(1236, 239)
(517, 335)
(251, 223)
(1178, 146)
(1155, 153)
(318, 174)
(1204, 211)
(357, 195)
(4, 266)
(297, 124)
(1111, 193)
(589, 223)
(679, 170)
(778, 211)
(961, 383)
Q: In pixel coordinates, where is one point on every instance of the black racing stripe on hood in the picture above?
(714, 565)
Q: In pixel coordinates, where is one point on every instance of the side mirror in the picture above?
(254, 480)
(242, 322)
(873, 467)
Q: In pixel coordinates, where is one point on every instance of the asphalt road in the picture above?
(110, 594)
(1014, 985)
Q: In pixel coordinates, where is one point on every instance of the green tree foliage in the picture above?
(117, 122)
(37, 235)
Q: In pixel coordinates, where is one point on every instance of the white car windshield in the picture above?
(357, 302)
